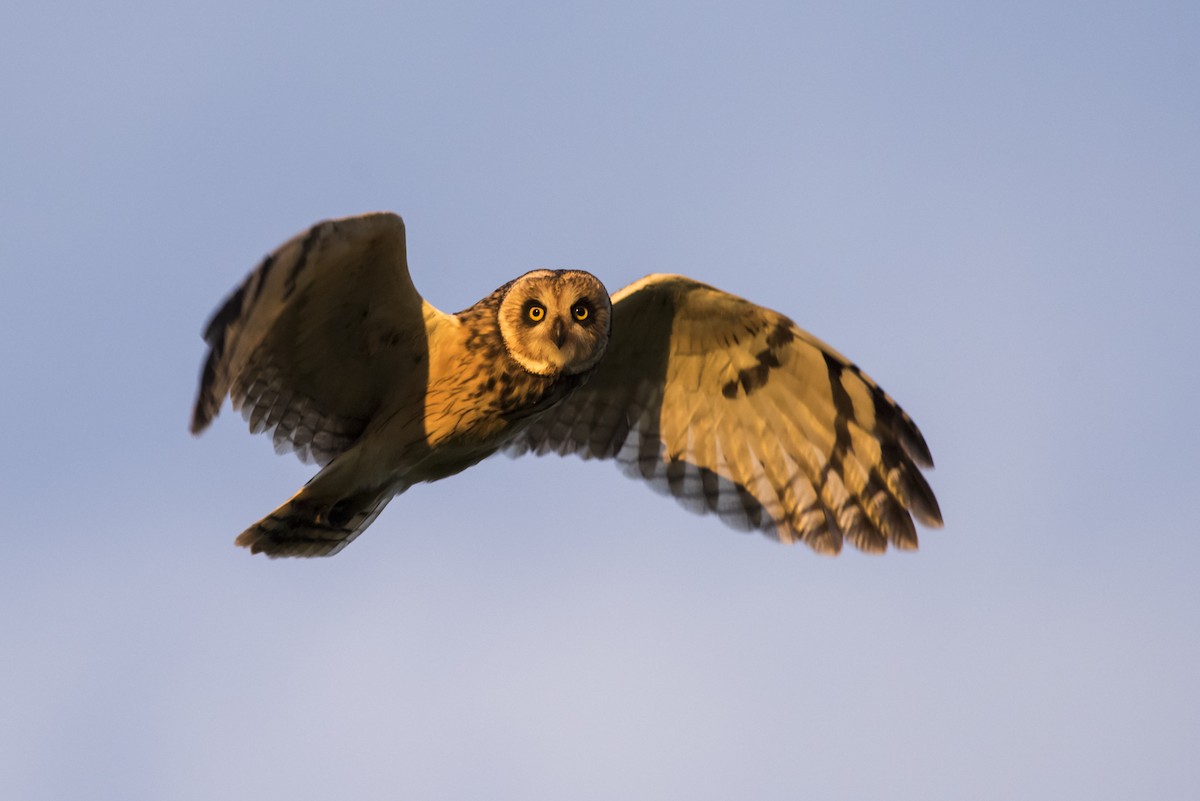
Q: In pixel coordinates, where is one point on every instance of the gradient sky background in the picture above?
(994, 210)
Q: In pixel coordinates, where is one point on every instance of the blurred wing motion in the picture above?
(732, 409)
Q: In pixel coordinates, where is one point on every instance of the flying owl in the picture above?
(723, 404)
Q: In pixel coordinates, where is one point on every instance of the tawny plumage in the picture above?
(724, 404)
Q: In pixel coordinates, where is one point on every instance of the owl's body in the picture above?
(724, 404)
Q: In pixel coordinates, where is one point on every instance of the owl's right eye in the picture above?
(536, 313)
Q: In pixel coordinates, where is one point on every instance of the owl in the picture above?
(721, 403)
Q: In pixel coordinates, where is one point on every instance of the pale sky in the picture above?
(994, 210)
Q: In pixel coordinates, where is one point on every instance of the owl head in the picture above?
(556, 321)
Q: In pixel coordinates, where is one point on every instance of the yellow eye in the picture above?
(580, 312)
(536, 313)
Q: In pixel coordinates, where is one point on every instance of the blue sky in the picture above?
(992, 209)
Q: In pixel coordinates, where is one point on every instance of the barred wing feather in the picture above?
(734, 410)
(317, 337)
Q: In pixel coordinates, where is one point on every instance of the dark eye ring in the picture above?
(537, 313)
(580, 311)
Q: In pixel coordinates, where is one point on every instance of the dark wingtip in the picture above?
(934, 518)
(202, 414)
(205, 409)
(923, 502)
(913, 441)
(899, 528)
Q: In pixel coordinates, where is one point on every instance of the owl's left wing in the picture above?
(733, 409)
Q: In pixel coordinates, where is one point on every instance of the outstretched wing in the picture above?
(733, 409)
(315, 338)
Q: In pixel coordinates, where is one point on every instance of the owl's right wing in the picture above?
(318, 336)
(733, 409)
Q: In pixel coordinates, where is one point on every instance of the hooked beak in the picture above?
(559, 333)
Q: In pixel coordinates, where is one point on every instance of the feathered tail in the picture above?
(306, 527)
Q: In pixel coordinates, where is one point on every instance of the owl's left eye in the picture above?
(580, 311)
(536, 313)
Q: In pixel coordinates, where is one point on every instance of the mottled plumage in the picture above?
(727, 406)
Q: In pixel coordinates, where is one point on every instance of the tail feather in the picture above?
(302, 527)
